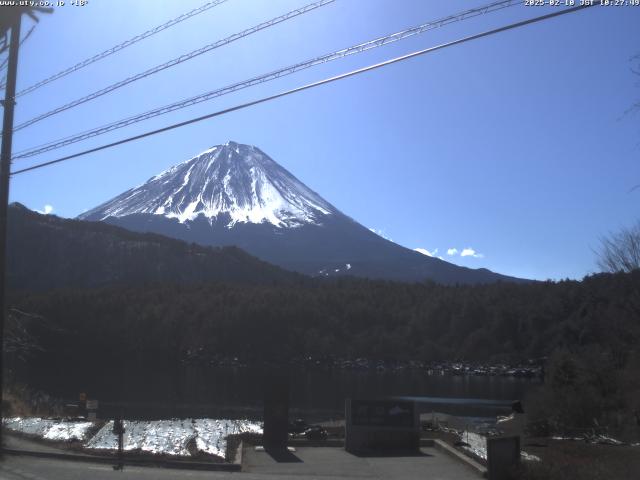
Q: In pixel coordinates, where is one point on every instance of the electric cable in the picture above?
(310, 85)
(121, 46)
(175, 61)
(359, 48)
(6, 60)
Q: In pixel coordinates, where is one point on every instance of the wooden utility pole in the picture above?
(9, 20)
(5, 169)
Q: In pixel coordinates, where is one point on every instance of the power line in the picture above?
(176, 61)
(310, 85)
(6, 60)
(2, 67)
(359, 48)
(121, 46)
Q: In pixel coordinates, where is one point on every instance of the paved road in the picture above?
(30, 468)
(17, 442)
(313, 462)
(305, 463)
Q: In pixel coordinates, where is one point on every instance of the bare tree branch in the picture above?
(620, 252)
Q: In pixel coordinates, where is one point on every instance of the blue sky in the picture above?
(516, 146)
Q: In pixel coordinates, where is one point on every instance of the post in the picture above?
(503, 457)
(118, 429)
(276, 411)
(5, 167)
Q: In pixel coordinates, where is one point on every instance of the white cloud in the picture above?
(470, 252)
(466, 252)
(46, 210)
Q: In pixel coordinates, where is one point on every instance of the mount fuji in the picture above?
(235, 194)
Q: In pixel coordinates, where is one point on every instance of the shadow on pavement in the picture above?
(391, 453)
(283, 456)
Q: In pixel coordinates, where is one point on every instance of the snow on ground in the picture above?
(600, 439)
(172, 437)
(211, 434)
(478, 446)
(529, 456)
(50, 429)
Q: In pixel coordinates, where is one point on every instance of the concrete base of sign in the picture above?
(375, 441)
(372, 427)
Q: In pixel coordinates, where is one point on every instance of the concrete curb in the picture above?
(448, 449)
(139, 462)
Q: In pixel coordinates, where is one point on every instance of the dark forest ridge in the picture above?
(46, 252)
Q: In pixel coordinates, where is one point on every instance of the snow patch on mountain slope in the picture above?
(239, 181)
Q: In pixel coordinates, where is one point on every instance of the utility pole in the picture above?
(5, 169)
(11, 19)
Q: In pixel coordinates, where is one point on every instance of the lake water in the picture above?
(150, 392)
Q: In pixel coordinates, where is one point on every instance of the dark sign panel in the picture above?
(382, 413)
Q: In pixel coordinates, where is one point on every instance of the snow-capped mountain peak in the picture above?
(238, 182)
(270, 214)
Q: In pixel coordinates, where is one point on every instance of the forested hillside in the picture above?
(347, 318)
(45, 252)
